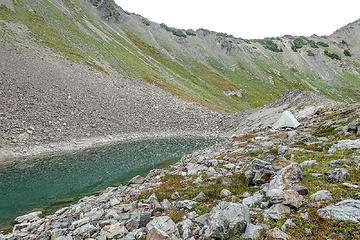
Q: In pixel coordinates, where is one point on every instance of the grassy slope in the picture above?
(131, 54)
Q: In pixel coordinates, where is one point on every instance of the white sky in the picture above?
(250, 18)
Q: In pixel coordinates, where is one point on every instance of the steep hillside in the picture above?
(202, 65)
(77, 68)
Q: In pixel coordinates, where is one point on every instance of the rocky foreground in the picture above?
(299, 183)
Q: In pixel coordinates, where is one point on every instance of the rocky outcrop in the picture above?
(345, 210)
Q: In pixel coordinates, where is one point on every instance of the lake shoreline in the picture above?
(9, 155)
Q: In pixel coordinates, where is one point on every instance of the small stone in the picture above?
(277, 211)
(137, 180)
(200, 197)
(225, 193)
(349, 185)
(175, 196)
(288, 224)
(304, 215)
(322, 195)
(166, 204)
(308, 163)
(276, 234)
(336, 162)
(308, 232)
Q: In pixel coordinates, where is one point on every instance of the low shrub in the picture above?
(332, 55)
(146, 21)
(310, 53)
(347, 53)
(190, 32)
(322, 44)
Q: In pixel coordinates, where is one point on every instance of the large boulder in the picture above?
(290, 198)
(354, 127)
(287, 178)
(345, 144)
(277, 211)
(163, 224)
(337, 175)
(322, 195)
(226, 220)
(259, 172)
(252, 232)
(345, 210)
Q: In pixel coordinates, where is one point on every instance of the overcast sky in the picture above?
(250, 18)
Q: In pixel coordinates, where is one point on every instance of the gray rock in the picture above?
(337, 175)
(257, 198)
(137, 180)
(345, 144)
(175, 196)
(277, 211)
(139, 218)
(227, 219)
(276, 234)
(349, 185)
(288, 197)
(252, 231)
(187, 204)
(345, 210)
(288, 224)
(333, 163)
(354, 127)
(158, 234)
(200, 197)
(166, 204)
(259, 172)
(308, 232)
(85, 231)
(287, 178)
(225, 193)
(322, 195)
(186, 226)
(308, 163)
(164, 224)
(304, 215)
(28, 217)
(116, 230)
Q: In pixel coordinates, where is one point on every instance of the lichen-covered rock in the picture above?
(345, 144)
(252, 231)
(322, 195)
(287, 178)
(277, 211)
(276, 234)
(337, 175)
(164, 224)
(345, 210)
(226, 219)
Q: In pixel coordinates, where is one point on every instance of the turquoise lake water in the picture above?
(52, 182)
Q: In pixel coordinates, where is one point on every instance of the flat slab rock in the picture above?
(345, 144)
(345, 210)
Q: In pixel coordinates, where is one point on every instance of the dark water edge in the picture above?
(50, 183)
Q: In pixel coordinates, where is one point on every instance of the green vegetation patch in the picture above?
(268, 43)
(332, 55)
(322, 44)
(347, 53)
(146, 21)
(310, 53)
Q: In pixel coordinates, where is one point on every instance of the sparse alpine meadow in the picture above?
(116, 127)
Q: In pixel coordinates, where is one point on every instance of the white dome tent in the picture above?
(286, 120)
